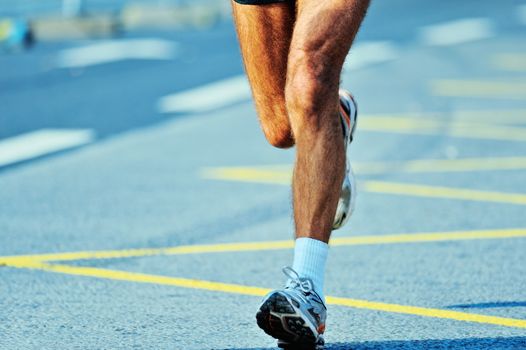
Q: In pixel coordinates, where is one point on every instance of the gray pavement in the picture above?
(431, 158)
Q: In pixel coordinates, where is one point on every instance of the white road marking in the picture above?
(117, 50)
(521, 13)
(370, 52)
(208, 97)
(42, 142)
(457, 32)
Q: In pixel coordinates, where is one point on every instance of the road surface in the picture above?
(134, 214)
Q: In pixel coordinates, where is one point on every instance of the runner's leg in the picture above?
(306, 103)
(264, 33)
(322, 37)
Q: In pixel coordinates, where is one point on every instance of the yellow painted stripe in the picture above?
(510, 62)
(443, 192)
(401, 123)
(443, 165)
(6, 27)
(499, 116)
(132, 253)
(256, 291)
(486, 117)
(423, 126)
(139, 277)
(499, 133)
(245, 174)
(270, 245)
(430, 237)
(252, 175)
(479, 88)
(427, 312)
(282, 174)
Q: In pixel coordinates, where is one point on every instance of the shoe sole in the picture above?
(354, 117)
(341, 220)
(278, 318)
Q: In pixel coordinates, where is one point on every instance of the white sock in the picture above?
(310, 256)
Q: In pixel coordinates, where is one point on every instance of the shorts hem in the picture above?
(261, 2)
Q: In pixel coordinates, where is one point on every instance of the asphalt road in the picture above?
(163, 229)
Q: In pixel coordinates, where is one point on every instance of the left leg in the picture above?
(264, 33)
(322, 37)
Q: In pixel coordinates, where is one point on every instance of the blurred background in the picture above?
(128, 125)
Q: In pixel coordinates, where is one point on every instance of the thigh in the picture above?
(264, 33)
(325, 30)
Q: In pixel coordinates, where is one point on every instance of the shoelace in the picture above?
(296, 282)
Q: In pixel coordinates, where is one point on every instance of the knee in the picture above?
(307, 80)
(311, 89)
(279, 137)
(274, 120)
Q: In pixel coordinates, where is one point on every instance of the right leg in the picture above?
(264, 33)
(323, 33)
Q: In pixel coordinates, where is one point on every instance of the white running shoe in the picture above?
(349, 116)
(294, 315)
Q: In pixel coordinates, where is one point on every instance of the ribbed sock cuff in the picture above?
(310, 256)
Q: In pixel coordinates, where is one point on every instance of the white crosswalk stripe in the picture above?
(117, 50)
(208, 97)
(41, 142)
(457, 32)
(368, 53)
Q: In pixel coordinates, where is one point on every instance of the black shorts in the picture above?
(261, 2)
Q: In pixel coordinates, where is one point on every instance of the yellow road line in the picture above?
(268, 245)
(246, 174)
(499, 133)
(133, 253)
(479, 88)
(489, 117)
(425, 126)
(442, 165)
(444, 119)
(511, 62)
(256, 291)
(430, 237)
(407, 189)
(401, 123)
(146, 278)
(428, 312)
(443, 192)
(283, 173)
